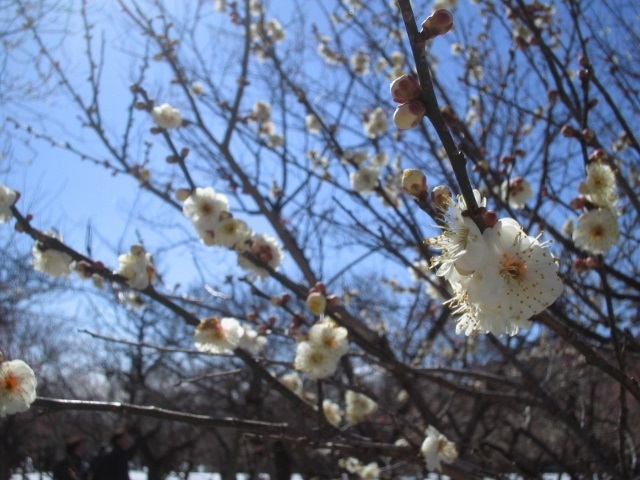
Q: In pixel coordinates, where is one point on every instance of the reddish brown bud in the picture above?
(578, 203)
(592, 262)
(490, 218)
(438, 23)
(580, 265)
(568, 131)
(404, 89)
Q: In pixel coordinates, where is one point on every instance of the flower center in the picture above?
(206, 208)
(264, 253)
(513, 268)
(597, 232)
(9, 383)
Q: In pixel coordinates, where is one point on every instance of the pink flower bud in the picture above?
(579, 265)
(409, 115)
(414, 182)
(404, 89)
(490, 218)
(591, 262)
(438, 23)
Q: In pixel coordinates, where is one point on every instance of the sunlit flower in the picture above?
(215, 335)
(600, 185)
(204, 207)
(52, 262)
(315, 361)
(17, 387)
(136, 267)
(7, 198)
(230, 232)
(517, 191)
(165, 116)
(332, 412)
(265, 250)
(316, 303)
(518, 280)
(358, 407)
(461, 242)
(597, 231)
(251, 341)
(437, 448)
(331, 337)
(364, 180)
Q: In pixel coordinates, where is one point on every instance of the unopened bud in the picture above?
(591, 262)
(580, 265)
(578, 203)
(409, 115)
(182, 194)
(404, 89)
(438, 23)
(588, 135)
(415, 182)
(490, 218)
(316, 303)
(598, 155)
(441, 197)
(568, 131)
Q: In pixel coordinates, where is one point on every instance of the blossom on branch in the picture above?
(215, 335)
(165, 116)
(17, 387)
(358, 407)
(365, 179)
(516, 191)
(597, 231)
(600, 185)
(136, 267)
(264, 250)
(437, 448)
(50, 261)
(7, 198)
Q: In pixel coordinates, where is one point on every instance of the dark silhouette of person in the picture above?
(114, 464)
(73, 466)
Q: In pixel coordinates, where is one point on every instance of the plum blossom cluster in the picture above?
(222, 335)
(500, 277)
(261, 114)
(319, 354)
(17, 387)
(136, 267)
(53, 262)
(597, 229)
(215, 225)
(437, 449)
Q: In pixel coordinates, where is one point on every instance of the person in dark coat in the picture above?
(114, 464)
(73, 466)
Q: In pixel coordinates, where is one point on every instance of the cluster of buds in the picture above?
(406, 91)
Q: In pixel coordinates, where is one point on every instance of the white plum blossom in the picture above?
(215, 335)
(600, 185)
(17, 387)
(332, 412)
(204, 207)
(231, 232)
(518, 280)
(360, 62)
(136, 266)
(261, 111)
(517, 191)
(376, 124)
(364, 180)
(597, 231)
(251, 341)
(312, 123)
(437, 449)
(166, 116)
(358, 407)
(315, 361)
(330, 336)
(7, 198)
(461, 242)
(371, 471)
(265, 250)
(350, 464)
(53, 262)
